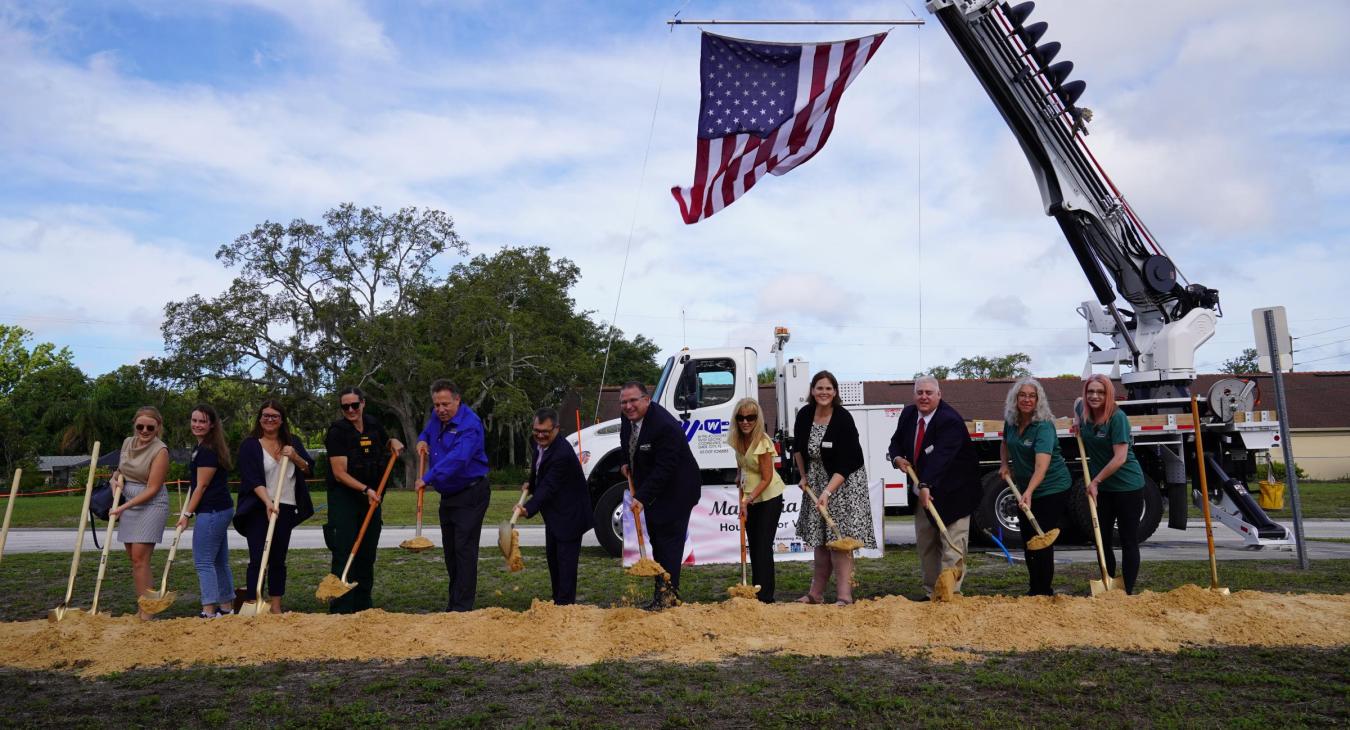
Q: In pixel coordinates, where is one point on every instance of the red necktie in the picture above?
(918, 444)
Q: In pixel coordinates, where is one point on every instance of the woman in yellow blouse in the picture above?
(761, 491)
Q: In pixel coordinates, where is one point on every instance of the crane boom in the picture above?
(1167, 320)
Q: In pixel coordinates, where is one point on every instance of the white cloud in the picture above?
(342, 25)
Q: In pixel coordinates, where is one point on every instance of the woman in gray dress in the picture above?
(829, 458)
(144, 505)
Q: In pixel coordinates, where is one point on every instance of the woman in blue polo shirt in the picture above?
(1032, 446)
(1117, 479)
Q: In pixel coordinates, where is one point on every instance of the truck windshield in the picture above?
(661, 381)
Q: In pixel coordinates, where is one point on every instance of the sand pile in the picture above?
(331, 587)
(1190, 615)
(417, 544)
(743, 591)
(844, 544)
(154, 603)
(515, 562)
(646, 568)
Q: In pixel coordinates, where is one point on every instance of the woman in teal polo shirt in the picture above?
(1031, 444)
(1117, 479)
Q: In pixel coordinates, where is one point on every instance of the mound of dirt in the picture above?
(95, 645)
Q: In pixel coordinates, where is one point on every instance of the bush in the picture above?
(509, 476)
(1277, 469)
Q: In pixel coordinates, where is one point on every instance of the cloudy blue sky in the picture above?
(138, 136)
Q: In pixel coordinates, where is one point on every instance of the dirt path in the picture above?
(698, 632)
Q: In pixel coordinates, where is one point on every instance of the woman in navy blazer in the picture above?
(260, 458)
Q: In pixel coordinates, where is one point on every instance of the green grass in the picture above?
(1219, 687)
(1328, 500)
(31, 583)
(400, 508)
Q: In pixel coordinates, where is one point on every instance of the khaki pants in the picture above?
(935, 555)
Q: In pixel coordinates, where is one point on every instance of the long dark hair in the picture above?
(283, 431)
(215, 438)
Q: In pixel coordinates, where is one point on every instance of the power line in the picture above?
(1324, 344)
(1323, 332)
(1328, 357)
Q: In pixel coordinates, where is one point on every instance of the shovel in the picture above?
(840, 543)
(153, 602)
(508, 540)
(419, 543)
(334, 587)
(58, 613)
(9, 510)
(945, 586)
(256, 607)
(743, 589)
(107, 543)
(1204, 500)
(1042, 540)
(1096, 587)
(645, 567)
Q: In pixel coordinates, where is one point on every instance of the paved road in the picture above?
(1166, 543)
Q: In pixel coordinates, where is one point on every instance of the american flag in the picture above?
(766, 108)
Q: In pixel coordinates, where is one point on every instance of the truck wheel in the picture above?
(608, 527)
(997, 513)
(1148, 523)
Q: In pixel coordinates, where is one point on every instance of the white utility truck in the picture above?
(1148, 318)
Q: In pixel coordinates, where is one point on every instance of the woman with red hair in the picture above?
(1117, 479)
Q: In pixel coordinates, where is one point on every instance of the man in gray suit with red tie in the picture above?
(932, 437)
(666, 478)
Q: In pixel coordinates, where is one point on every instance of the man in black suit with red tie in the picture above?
(666, 479)
(560, 493)
(932, 437)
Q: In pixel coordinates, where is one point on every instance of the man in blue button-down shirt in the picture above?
(452, 442)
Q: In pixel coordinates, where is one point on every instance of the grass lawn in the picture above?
(1208, 687)
(400, 508)
(1319, 500)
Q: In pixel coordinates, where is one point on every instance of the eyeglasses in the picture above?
(542, 431)
(350, 406)
(1027, 396)
(145, 427)
(270, 417)
(749, 418)
(1096, 392)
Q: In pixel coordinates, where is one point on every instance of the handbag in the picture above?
(100, 503)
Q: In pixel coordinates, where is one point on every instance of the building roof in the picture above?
(48, 463)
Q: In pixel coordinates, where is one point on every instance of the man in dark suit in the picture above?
(932, 437)
(560, 494)
(666, 479)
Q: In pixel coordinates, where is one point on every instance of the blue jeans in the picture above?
(211, 556)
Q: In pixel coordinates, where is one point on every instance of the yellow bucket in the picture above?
(1272, 494)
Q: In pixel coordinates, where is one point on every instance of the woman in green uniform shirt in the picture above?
(1032, 446)
(358, 451)
(1117, 479)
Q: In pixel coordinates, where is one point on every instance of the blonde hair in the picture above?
(152, 412)
(1108, 408)
(742, 443)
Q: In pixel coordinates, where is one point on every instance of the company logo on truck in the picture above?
(707, 436)
(714, 426)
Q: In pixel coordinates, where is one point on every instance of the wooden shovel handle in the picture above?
(824, 511)
(1025, 510)
(1092, 512)
(637, 519)
(370, 512)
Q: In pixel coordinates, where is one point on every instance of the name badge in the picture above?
(644, 447)
(827, 444)
(1027, 442)
(928, 450)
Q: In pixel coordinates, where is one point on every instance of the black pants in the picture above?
(563, 556)
(1124, 509)
(761, 525)
(1049, 511)
(667, 541)
(345, 516)
(461, 527)
(255, 531)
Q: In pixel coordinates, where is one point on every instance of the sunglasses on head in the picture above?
(750, 418)
(350, 406)
(145, 427)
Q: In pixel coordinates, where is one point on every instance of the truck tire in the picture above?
(608, 528)
(997, 513)
(1148, 523)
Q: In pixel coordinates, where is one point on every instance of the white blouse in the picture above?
(270, 468)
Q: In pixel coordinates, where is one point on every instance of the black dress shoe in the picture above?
(919, 599)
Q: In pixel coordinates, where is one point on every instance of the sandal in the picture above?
(808, 598)
(844, 602)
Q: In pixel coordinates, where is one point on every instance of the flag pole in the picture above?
(908, 21)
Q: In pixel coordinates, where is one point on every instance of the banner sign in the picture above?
(714, 527)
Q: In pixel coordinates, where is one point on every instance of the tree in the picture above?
(24, 399)
(313, 305)
(983, 368)
(767, 376)
(1244, 364)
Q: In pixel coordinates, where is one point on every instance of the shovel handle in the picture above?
(178, 533)
(519, 503)
(741, 514)
(1200, 470)
(271, 528)
(1092, 511)
(421, 470)
(824, 511)
(84, 522)
(107, 543)
(9, 509)
(370, 512)
(933, 513)
(637, 519)
(1025, 510)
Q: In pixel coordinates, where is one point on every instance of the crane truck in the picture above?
(1146, 318)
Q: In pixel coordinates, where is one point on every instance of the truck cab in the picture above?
(700, 388)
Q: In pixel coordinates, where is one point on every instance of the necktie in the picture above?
(632, 443)
(918, 443)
